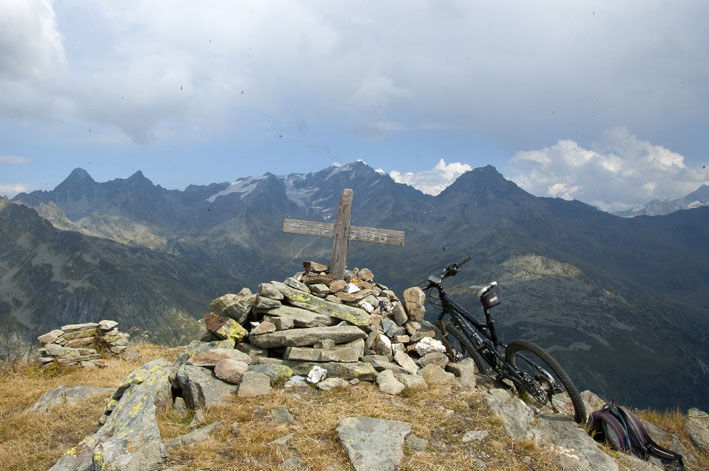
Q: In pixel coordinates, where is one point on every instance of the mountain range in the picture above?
(623, 303)
(656, 207)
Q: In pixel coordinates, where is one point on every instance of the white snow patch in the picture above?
(244, 186)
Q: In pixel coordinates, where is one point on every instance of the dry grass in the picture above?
(33, 441)
(436, 415)
(672, 422)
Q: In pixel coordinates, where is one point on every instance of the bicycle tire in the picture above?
(517, 347)
(482, 366)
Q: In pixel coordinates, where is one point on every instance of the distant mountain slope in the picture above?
(624, 303)
(696, 199)
(50, 277)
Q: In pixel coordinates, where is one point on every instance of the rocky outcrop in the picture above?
(78, 344)
(64, 395)
(373, 444)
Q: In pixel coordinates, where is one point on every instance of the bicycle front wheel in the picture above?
(464, 346)
(544, 379)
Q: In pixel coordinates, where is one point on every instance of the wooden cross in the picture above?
(342, 233)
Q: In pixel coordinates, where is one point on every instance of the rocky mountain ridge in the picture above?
(696, 199)
(622, 300)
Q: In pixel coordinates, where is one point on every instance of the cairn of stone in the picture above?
(352, 329)
(76, 344)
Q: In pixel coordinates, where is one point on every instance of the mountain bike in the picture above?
(526, 365)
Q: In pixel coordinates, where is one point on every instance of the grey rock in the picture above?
(434, 374)
(264, 327)
(107, 325)
(196, 347)
(403, 359)
(399, 314)
(50, 337)
(293, 464)
(697, 425)
(381, 363)
(592, 401)
(307, 301)
(196, 436)
(179, 405)
(281, 415)
(296, 382)
(254, 384)
(282, 441)
(302, 317)
(235, 306)
(305, 337)
(387, 325)
(200, 388)
(388, 383)
(269, 291)
(381, 344)
(475, 435)
(333, 299)
(412, 382)
(64, 395)
(435, 358)
(210, 358)
(415, 300)
(515, 414)
(416, 443)
(129, 438)
(464, 370)
(75, 327)
(412, 327)
(281, 323)
(332, 383)
(252, 350)
(347, 371)
(348, 353)
(277, 374)
(373, 444)
(262, 303)
(235, 429)
(295, 284)
(320, 289)
(230, 370)
(131, 354)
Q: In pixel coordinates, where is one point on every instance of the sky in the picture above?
(604, 102)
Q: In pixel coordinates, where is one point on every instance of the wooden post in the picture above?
(342, 232)
(338, 262)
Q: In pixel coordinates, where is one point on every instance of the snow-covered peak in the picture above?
(244, 186)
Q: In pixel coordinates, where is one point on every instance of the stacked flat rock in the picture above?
(75, 344)
(352, 328)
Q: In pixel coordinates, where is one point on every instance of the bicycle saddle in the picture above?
(481, 290)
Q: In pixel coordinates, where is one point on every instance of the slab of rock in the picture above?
(230, 370)
(403, 359)
(75, 327)
(129, 439)
(210, 358)
(64, 395)
(264, 327)
(277, 374)
(235, 306)
(201, 388)
(262, 303)
(381, 345)
(388, 383)
(373, 444)
(574, 448)
(269, 291)
(306, 337)
(464, 370)
(348, 371)
(332, 383)
(435, 358)
(254, 384)
(197, 436)
(348, 353)
(337, 285)
(515, 414)
(50, 337)
(697, 425)
(381, 363)
(302, 317)
(413, 382)
(316, 267)
(399, 314)
(310, 302)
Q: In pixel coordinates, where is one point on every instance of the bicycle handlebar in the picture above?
(450, 270)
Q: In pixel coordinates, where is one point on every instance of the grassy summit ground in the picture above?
(34, 441)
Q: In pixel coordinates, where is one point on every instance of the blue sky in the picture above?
(605, 102)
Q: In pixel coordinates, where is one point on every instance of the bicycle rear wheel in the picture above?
(466, 347)
(544, 379)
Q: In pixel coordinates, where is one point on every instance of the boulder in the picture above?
(201, 388)
(373, 444)
(302, 317)
(415, 300)
(230, 370)
(348, 353)
(129, 438)
(269, 291)
(413, 382)
(254, 384)
(332, 383)
(388, 383)
(234, 306)
(277, 374)
(262, 303)
(697, 425)
(403, 359)
(434, 374)
(515, 414)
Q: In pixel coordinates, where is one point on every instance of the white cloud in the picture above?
(619, 171)
(9, 159)
(432, 181)
(13, 189)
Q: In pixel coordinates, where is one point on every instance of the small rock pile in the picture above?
(318, 326)
(76, 344)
